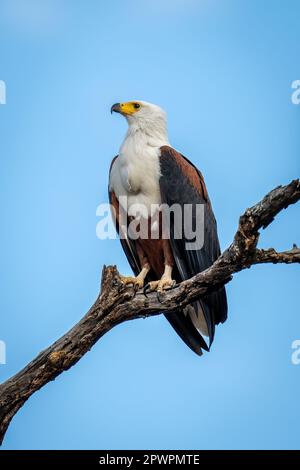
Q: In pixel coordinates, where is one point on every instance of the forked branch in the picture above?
(117, 303)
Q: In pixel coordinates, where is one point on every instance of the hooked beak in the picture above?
(115, 108)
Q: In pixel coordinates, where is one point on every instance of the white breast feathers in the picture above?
(135, 182)
(135, 175)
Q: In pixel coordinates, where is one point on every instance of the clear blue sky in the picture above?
(223, 70)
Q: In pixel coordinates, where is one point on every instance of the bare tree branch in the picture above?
(271, 256)
(117, 303)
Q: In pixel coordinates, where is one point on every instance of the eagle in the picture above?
(147, 176)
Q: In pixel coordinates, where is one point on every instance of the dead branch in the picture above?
(117, 303)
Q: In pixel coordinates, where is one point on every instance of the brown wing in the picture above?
(182, 183)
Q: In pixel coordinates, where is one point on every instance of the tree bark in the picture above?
(117, 303)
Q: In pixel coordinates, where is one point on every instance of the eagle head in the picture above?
(135, 111)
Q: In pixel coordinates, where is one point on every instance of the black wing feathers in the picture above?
(182, 183)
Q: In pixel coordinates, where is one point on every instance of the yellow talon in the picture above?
(161, 285)
(137, 282)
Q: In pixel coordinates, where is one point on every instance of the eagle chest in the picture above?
(137, 178)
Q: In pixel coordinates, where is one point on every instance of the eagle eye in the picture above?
(136, 105)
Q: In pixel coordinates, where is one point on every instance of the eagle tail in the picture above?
(184, 327)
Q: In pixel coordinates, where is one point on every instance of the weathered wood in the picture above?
(117, 303)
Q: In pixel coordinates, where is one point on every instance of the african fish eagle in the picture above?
(149, 173)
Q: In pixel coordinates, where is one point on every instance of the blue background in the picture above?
(223, 71)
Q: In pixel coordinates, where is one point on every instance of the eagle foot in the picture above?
(159, 287)
(136, 282)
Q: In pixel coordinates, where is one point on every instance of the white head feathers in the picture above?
(147, 121)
